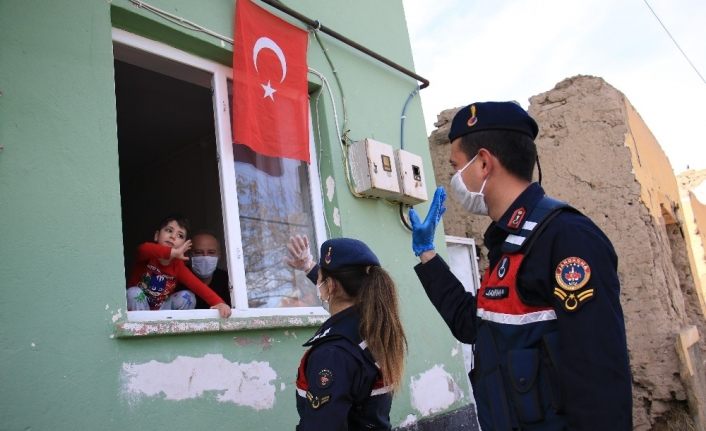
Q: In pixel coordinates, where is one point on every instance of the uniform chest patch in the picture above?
(496, 292)
(325, 378)
(503, 266)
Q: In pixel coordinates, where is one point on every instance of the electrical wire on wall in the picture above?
(342, 130)
(320, 155)
(327, 87)
(403, 117)
(345, 140)
(180, 21)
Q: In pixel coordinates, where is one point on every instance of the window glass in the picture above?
(274, 202)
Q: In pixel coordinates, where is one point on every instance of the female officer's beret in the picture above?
(492, 116)
(339, 252)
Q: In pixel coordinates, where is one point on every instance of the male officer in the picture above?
(548, 329)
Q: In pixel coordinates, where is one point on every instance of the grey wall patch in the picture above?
(188, 377)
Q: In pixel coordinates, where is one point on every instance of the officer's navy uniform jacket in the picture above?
(339, 386)
(550, 350)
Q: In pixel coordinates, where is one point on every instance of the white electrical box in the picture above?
(374, 169)
(411, 173)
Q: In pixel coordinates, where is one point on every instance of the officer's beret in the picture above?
(492, 116)
(339, 252)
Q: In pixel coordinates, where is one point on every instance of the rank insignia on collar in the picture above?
(572, 273)
(516, 218)
(316, 402)
(325, 378)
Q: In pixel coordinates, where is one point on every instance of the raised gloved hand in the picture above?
(423, 233)
(299, 254)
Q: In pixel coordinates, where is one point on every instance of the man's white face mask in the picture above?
(204, 266)
(473, 202)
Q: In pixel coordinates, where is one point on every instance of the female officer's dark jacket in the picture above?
(339, 386)
(550, 348)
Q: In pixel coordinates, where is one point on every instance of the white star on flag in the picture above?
(269, 91)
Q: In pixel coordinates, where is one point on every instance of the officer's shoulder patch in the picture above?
(316, 402)
(572, 275)
(325, 378)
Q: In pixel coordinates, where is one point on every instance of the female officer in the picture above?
(355, 359)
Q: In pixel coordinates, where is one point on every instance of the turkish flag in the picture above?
(270, 97)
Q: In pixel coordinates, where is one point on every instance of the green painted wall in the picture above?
(61, 251)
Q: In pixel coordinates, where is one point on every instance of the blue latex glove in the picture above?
(423, 233)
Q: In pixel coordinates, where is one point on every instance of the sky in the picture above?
(473, 50)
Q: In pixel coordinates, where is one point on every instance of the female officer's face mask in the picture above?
(473, 202)
(324, 302)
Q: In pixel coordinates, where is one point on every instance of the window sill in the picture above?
(157, 323)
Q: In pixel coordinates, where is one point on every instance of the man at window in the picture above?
(205, 253)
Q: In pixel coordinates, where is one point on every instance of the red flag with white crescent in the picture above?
(270, 91)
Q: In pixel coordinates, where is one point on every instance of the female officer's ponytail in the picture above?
(375, 295)
(380, 324)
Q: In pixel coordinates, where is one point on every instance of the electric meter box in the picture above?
(411, 174)
(374, 169)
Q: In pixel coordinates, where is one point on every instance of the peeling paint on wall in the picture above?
(408, 421)
(434, 390)
(188, 377)
(330, 187)
(336, 217)
(117, 316)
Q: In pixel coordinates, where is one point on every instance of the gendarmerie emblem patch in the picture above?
(325, 378)
(572, 275)
(316, 402)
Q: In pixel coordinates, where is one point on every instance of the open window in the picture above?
(176, 155)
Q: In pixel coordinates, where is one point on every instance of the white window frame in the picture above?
(229, 191)
(470, 243)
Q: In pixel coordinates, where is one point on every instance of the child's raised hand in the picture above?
(223, 309)
(180, 252)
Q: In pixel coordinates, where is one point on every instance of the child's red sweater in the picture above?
(159, 281)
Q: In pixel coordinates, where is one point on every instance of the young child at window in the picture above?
(159, 267)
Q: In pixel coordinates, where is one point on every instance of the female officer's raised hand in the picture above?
(299, 254)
